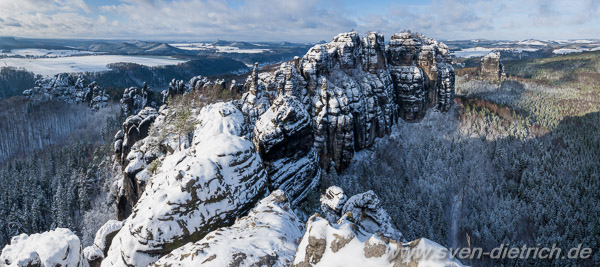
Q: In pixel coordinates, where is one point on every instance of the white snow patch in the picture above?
(92, 63)
(270, 230)
(59, 247)
(220, 49)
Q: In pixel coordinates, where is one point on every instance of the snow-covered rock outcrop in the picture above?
(95, 253)
(267, 236)
(363, 236)
(292, 122)
(256, 101)
(365, 209)
(69, 88)
(196, 83)
(135, 99)
(59, 247)
(355, 89)
(283, 137)
(134, 128)
(195, 191)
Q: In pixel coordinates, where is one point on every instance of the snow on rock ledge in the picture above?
(196, 190)
(59, 247)
(95, 253)
(363, 236)
(345, 244)
(268, 236)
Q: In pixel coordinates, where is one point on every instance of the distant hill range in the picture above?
(133, 48)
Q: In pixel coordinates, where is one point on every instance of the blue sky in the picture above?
(298, 20)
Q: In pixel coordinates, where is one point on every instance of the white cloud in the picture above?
(298, 20)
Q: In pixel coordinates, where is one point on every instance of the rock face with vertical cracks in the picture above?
(195, 191)
(490, 68)
(355, 88)
(135, 99)
(283, 137)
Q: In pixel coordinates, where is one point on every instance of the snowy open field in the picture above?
(482, 51)
(34, 52)
(220, 49)
(51, 66)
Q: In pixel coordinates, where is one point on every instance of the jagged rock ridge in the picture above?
(355, 89)
(68, 88)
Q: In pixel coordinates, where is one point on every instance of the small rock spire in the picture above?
(254, 79)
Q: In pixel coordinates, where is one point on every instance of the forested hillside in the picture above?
(55, 162)
(14, 81)
(26, 126)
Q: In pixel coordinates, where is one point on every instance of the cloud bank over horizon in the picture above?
(298, 21)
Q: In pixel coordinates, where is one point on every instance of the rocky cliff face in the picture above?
(308, 114)
(68, 88)
(490, 68)
(355, 88)
(283, 138)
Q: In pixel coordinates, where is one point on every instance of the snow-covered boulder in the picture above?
(368, 214)
(267, 236)
(365, 208)
(59, 247)
(332, 203)
(195, 191)
(345, 244)
(95, 253)
(283, 137)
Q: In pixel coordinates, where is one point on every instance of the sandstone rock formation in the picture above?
(135, 128)
(332, 203)
(365, 209)
(68, 88)
(59, 247)
(95, 253)
(491, 68)
(267, 236)
(195, 191)
(197, 83)
(283, 137)
(292, 122)
(135, 99)
(355, 89)
(157, 139)
(343, 244)
(361, 237)
(256, 101)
